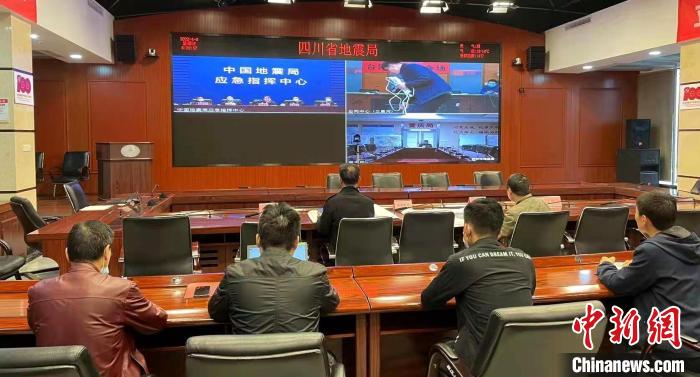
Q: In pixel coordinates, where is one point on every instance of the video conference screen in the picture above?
(241, 100)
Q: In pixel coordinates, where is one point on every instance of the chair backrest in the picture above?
(27, 215)
(279, 355)
(434, 180)
(65, 361)
(76, 165)
(601, 230)
(157, 246)
(540, 234)
(76, 196)
(488, 178)
(689, 220)
(248, 232)
(39, 158)
(364, 242)
(333, 181)
(426, 237)
(387, 180)
(533, 340)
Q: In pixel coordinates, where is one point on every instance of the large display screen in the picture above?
(240, 100)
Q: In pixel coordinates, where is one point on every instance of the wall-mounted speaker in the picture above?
(125, 48)
(638, 133)
(535, 58)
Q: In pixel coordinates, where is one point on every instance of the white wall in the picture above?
(621, 34)
(89, 27)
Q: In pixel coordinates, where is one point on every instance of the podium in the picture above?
(124, 168)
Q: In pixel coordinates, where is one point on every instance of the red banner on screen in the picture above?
(376, 67)
(24, 8)
(688, 20)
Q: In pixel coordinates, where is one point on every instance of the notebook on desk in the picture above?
(301, 253)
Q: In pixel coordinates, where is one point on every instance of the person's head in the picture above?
(655, 213)
(329, 99)
(267, 99)
(492, 83)
(482, 218)
(279, 227)
(349, 174)
(392, 67)
(518, 186)
(295, 99)
(90, 242)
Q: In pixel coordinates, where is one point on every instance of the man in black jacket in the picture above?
(664, 270)
(484, 277)
(275, 293)
(347, 203)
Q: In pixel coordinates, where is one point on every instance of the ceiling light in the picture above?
(286, 2)
(34, 36)
(500, 6)
(655, 53)
(358, 3)
(76, 56)
(587, 67)
(434, 6)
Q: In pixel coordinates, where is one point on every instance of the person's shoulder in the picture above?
(42, 287)
(519, 254)
(306, 268)
(237, 269)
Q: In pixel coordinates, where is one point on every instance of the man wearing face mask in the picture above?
(664, 270)
(484, 277)
(86, 306)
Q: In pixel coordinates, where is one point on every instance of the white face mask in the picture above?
(105, 269)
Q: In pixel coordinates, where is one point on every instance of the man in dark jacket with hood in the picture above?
(665, 269)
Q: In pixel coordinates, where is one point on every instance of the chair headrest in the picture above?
(38, 357)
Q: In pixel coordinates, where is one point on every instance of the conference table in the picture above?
(375, 301)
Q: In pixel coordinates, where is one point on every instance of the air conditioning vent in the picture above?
(577, 23)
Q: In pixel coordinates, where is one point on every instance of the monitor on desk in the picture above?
(302, 251)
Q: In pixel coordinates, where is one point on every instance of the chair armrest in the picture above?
(569, 238)
(451, 359)
(446, 351)
(5, 248)
(50, 219)
(690, 342)
(338, 370)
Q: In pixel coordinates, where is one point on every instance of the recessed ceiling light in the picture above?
(34, 36)
(76, 56)
(655, 53)
(587, 67)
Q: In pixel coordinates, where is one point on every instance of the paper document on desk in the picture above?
(97, 208)
(459, 213)
(380, 211)
(313, 215)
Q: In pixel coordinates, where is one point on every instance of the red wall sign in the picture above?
(688, 20)
(25, 8)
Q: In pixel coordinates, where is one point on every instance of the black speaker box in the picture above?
(638, 133)
(535, 57)
(125, 48)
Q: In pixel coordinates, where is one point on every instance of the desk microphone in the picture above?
(251, 215)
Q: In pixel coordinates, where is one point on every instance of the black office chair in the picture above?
(434, 180)
(157, 246)
(279, 355)
(333, 181)
(529, 341)
(690, 347)
(76, 167)
(364, 242)
(65, 361)
(689, 220)
(248, 232)
(9, 264)
(387, 180)
(426, 237)
(601, 230)
(488, 178)
(540, 234)
(76, 196)
(37, 266)
(39, 158)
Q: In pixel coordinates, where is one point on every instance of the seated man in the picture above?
(347, 203)
(275, 293)
(484, 277)
(518, 191)
(86, 306)
(664, 270)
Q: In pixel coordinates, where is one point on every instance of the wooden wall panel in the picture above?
(117, 113)
(50, 122)
(542, 134)
(600, 127)
(312, 20)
